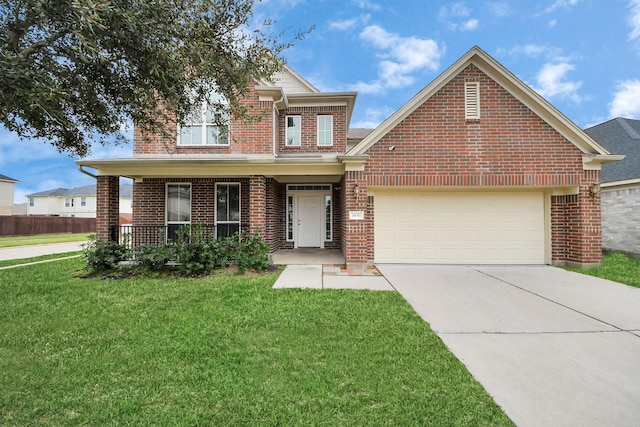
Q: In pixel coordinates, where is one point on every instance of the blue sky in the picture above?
(583, 56)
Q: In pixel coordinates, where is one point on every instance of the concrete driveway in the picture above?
(553, 348)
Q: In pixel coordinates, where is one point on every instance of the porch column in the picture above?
(358, 221)
(576, 225)
(258, 205)
(108, 206)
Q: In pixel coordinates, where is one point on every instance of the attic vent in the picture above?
(472, 100)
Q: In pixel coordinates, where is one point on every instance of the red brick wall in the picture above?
(108, 205)
(256, 136)
(508, 146)
(309, 132)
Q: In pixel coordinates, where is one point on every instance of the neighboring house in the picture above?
(620, 194)
(476, 168)
(6, 194)
(77, 202)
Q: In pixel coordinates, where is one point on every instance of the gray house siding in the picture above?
(621, 220)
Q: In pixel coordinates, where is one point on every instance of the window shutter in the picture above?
(472, 100)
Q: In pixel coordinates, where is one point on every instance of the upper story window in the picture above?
(472, 100)
(325, 130)
(293, 131)
(83, 201)
(68, 203)
(207, 126)
(32, 201)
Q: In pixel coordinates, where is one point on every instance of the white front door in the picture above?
(309, 221)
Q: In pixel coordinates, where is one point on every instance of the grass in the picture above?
(10, 241)
(616, 266)
(21, 261)
(222, 350)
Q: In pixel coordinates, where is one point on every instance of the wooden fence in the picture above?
(30, 225)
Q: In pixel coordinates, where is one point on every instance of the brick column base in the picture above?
(108, 207)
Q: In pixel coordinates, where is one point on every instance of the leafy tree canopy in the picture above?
(74, 71)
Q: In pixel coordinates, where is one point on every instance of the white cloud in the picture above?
(455, 17)
(455, 10)
(625, 100)
(365, 4)
(349, 24)
(401, 57)
(634, 19)
(499, 9)
(552, 81)
(470, 25)
(561, 3)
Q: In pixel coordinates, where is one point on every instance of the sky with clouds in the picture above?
(583, 56)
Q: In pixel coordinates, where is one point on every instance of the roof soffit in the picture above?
(504, 78)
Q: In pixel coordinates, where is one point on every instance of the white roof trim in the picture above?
(508, 81)
(623, 183)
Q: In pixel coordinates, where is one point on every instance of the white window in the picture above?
(32, 201)
(293, 132)
(472, 100)
(207, 126)
(227, 209)
(68, 203)
(325, 130)
(178, 208)
(83, 201)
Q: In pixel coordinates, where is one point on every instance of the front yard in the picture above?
(222, 350)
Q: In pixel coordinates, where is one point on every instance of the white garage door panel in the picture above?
(453, 228)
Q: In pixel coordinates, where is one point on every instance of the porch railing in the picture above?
(159, 235)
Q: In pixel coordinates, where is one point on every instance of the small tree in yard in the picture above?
(76, 70)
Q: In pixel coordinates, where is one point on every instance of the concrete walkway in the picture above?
(553, 348)
(30, 251)
(310, 276)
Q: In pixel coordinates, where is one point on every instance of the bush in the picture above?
(194, 253)
(103, 254)
(152, 257)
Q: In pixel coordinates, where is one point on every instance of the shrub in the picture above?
(252, 253)
(152, 257)
(103, 254)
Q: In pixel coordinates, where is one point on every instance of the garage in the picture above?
(459, 227)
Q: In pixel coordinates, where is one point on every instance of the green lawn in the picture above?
(618, 267)
(9, 241)
(224, 351)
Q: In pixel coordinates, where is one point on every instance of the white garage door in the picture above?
(459, 227)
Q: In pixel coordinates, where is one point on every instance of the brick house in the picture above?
(476, 168)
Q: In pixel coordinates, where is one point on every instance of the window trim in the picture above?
(297, 131)
(167, 223)
(324, 131)
(215, 207)
(204, 107)
(321, 190)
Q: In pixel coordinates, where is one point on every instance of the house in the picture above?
(6, 194)
(476, 168)
(77, 202)
(620, 194)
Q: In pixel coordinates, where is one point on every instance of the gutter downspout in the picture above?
(274, 125)
(86, 172)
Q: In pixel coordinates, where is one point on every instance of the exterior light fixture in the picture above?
(356, 191)
(594, 190)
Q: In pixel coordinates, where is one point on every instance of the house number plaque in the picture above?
(357, 215)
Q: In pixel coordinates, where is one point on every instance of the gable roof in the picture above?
(6, 178)
(511, 84)
(619, 136)
(126, 192)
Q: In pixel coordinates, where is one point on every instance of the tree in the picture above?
(73, 71)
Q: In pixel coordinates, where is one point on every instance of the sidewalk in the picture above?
(331, 277)
(30, 251)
